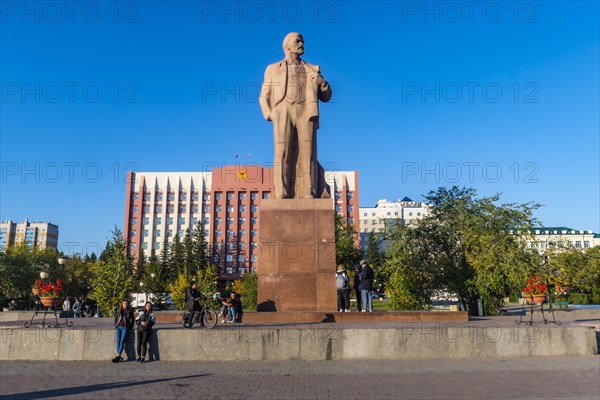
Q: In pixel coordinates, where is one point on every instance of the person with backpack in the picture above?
(342, 284)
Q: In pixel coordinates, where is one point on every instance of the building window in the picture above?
(229, 221)
(242, 232)
(170, 233)
(254, 220)
(159, 197)
(586, 244)
(266, 195)
(170, 209)
(254, 195)
(217, 221)
(350, 196)
(410, 214)
(229, 246)
(182, 209)
(133, 233)
(158, 220)
(205, 209)
(195, 196)
(351, 221)
(144, 245)
(134, 208)
(418, 214)
(158, 209)
(543, 245)
(241, 258)
(169, 221)
(156, 246)
(253, 245)
(133, 246)
(229, 233)
(242, 221)
(146, 232)
(372, 214)
(365, 214)
(134, 221)
(229, 196)
(253, 258)
(254, 208)
(229, 208)
(242, 246)
(229, 270)
(194, 221)
(206, 196)
(182, 221)
(242, 196)
(206, 221)
(242, 209)
(181, 233)
(218, 208)
(147, 197)
(229, 259)
(157, 234)
(182, 196)
(338, 209)
(396, 213)
(218, 196)
(351, 208)
(578, 244)
(217, 232)
(253, 232)
(146, 209)
(146, 221)
(338, 195)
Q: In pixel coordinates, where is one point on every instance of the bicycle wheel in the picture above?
(209, 319)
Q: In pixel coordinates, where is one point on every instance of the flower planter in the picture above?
(540, 299)
(35, 291)
(51, 301)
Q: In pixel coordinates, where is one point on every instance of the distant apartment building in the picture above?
(385, 214)
(562, 237)
(39, 234)
(226, 200)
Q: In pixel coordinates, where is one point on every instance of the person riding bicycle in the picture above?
(192, 300)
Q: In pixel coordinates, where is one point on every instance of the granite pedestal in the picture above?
(297, 260)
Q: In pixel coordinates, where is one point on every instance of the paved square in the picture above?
(539, 378)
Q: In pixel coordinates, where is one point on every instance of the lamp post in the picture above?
(141, 288)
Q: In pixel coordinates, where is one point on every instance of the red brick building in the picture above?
(226, 200)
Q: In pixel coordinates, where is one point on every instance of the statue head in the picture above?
(293, 43)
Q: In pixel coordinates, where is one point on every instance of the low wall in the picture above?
(306, 342)
(317, 316)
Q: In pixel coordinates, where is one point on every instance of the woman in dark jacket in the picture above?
(145, 321)
(123, 323)
(366, 286)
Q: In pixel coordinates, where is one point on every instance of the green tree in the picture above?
(247, 287)
(468, 246)
(188, 252)
(77, 276)
(346, 250)
(374, 257)
(177, 256)
(20, 266)
(165, 261)
(112, 277)
(201, 251)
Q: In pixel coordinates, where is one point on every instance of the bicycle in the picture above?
(206, 316)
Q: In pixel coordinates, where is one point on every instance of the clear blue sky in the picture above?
(465, 93)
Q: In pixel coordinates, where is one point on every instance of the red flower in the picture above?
(535, 287)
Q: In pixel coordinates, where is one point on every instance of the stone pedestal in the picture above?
(296, 269)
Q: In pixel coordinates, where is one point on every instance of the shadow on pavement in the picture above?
(89, 388)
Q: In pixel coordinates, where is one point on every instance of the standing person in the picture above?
(342, 284)
(77, 309)
(145, 321)
(123, 323)
(191, 300)
(356, 286)
(12, 306)
(366, 286)
(290, 98)
(67, 304)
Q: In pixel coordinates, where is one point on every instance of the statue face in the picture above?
(294, 44)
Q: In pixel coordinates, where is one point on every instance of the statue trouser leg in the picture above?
(307, 157)
(282, 125)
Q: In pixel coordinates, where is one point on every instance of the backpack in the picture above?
(341, 281)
